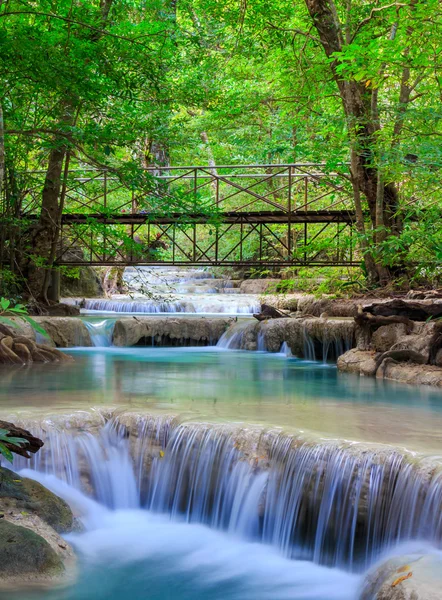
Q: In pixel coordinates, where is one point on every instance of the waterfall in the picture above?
(336, 503)
(285, 350)
(101, 332)
(324, 344)
(229, 305)
(236, 336)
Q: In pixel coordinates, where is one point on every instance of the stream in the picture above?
(152, 447)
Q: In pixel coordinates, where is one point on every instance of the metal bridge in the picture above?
(248, 215)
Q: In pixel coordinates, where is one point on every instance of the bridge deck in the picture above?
(282, 217)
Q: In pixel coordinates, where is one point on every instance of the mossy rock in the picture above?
(23, 552)
(30, 496)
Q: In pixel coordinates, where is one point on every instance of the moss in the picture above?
(31, 496)
(23, 552)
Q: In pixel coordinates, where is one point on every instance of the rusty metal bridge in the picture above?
(248, 215)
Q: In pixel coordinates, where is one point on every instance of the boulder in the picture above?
(66, 332)
(86, 285)
(413, 373)
(362, 362)
(408, 577)
(281, 301)
(24, 553)
(31, 519)
(23, 494)
(387, 336)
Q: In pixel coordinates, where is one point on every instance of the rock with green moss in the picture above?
(28, 496)
(24, 553)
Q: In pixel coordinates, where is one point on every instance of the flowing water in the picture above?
(153, 290)
(216, 473)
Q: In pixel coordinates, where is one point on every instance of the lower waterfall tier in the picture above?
(335, 503)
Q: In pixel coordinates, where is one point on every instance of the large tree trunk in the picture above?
(46, 232)
(357, 98)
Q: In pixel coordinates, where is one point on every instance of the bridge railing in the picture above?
(272, 215)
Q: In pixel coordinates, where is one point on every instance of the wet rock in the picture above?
(358, 361)
(408, 577)
(325, 338)
(66, 332)
(25, 495)
(24, 553)
(413, 373)
(31, 549)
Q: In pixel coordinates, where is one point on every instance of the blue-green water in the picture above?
(214, 384)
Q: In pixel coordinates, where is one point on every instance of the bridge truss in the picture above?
(248, 215)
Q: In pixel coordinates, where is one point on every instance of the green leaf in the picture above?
(6, 452)
(4, 303)
(8, 321)
(36, 326)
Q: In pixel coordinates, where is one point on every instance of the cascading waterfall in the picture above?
(337, 504)
(242, 305)
(101, 332)
(235, 338)
(325, 347)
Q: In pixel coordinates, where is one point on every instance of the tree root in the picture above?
(19, 350)
(395, 356)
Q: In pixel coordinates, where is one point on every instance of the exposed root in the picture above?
(19, 350)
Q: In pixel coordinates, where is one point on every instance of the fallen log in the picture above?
(269, 312)
(368, 320)
(414, 311)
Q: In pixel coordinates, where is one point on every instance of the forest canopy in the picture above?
(125, 85)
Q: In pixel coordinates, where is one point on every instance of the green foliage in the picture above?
(16, 441)
(8, 310)
(141, 87)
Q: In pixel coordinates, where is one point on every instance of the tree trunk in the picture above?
(46, 232)
(357, 102)
(45, 236)
(2, 150)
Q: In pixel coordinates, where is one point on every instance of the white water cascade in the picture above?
(334, 503)
(137, 554)
(101, 332)
(238, 304)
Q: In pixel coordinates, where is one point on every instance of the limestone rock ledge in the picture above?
(32, 551)
(404, 352)
(408, 577)
(169, 331)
